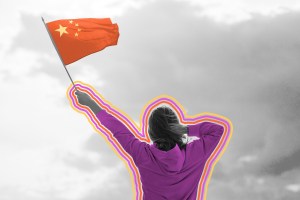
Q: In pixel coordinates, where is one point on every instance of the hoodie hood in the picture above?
(170, 161)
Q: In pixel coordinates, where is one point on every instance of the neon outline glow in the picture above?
(141, 133)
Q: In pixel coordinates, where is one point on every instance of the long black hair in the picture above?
(165, 130)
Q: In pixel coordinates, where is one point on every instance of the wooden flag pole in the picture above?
(58, 53)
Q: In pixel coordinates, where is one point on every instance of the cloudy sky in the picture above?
(237, 58)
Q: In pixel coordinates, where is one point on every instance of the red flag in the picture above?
(77, 38)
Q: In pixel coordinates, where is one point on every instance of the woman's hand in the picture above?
(86, 100)
(83, 98)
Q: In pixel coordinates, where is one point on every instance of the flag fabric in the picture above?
(77, 38)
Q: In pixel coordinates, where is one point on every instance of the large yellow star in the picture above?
(61, 30)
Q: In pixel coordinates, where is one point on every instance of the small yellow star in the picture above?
(79, 29)
(71, 21)
(76, 24)
(61, 30)
(76, 34)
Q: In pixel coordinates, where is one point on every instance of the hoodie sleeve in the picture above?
(209, 134)
(133, 146)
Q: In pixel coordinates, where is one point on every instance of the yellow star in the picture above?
(61, 30)
(76, 34)
(71, 21)
(79, 29)
(76, 24)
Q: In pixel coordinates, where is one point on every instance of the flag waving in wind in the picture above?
(77, 38)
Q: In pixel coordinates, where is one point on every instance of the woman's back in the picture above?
(175, 174)
(172, 174)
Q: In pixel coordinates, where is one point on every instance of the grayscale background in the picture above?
(237, 58)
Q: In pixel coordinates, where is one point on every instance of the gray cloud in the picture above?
(7, 192)
(96, 144)
(106, 155)
(284, 164)
(33, 35)
(254, 187)
(118, 188)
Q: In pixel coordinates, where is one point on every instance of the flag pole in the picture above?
(58, 53)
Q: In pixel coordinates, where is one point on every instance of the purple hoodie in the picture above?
(172, 174)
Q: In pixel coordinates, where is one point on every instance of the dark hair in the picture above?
(165, 130)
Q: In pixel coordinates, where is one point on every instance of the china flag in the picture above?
(77, 38)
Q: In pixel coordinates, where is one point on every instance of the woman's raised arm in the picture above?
(127, 140)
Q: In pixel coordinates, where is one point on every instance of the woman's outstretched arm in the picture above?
(127, 140)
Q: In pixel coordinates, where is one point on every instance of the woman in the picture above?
(171, 167)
